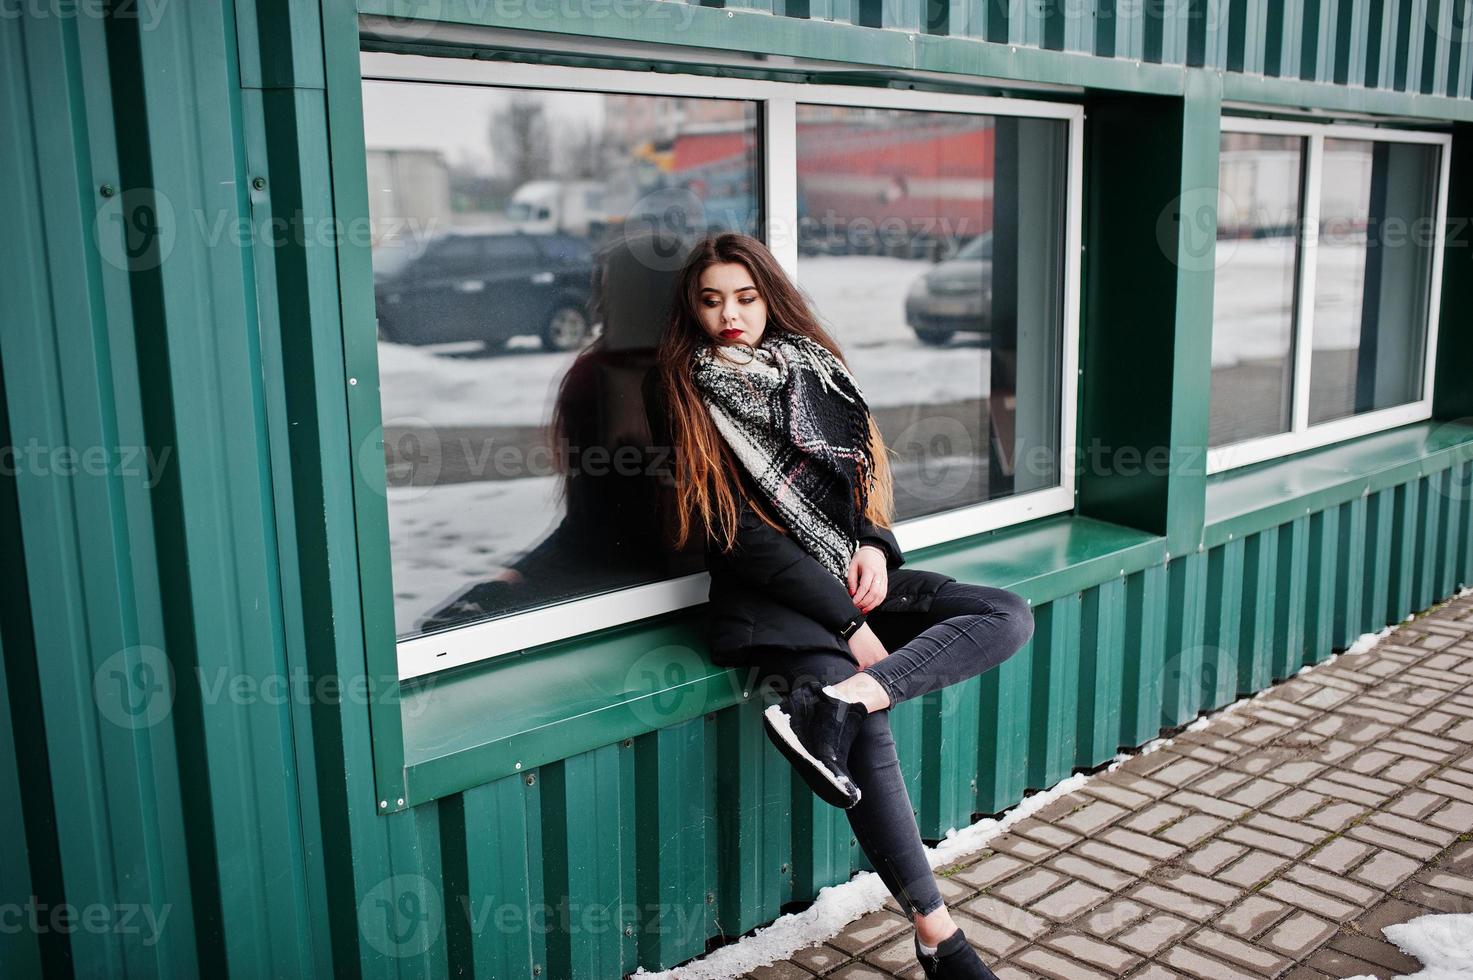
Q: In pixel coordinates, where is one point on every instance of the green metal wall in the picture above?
(132, 782)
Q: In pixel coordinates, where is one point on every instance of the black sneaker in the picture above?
(954, 959)
(815, 730)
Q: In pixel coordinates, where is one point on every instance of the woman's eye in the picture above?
(748, 299)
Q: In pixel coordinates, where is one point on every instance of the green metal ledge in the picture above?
(1253, 499)
(520, 711)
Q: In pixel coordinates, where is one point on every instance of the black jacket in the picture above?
(769, 595)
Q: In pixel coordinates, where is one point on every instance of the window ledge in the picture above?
(1255, 498)
(519, 711)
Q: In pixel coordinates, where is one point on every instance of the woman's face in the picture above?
(731, 309)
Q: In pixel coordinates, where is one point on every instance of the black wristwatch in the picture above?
(852, 627)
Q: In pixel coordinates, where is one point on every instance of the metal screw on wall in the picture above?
(107, 190)
(258, 183)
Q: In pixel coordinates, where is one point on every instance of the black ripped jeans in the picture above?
(968, 630)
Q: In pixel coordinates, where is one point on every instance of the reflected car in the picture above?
(955, 296)
(488, 287)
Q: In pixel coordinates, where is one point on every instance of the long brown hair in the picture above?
(706, 473)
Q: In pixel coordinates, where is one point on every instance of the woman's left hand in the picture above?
(868, 578)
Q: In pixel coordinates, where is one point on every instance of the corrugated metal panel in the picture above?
(251, 824)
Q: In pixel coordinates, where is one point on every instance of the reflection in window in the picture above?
(1373, 276)
(525, 245)
(932, 245)
(1259, 179)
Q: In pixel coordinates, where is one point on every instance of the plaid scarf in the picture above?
(798, 424)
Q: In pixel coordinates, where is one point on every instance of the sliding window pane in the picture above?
(932, 245)
(1259, 180)
(525, 245)
(1373, 276)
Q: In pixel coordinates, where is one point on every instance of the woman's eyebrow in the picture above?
(713, 289)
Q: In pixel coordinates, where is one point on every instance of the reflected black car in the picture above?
(488, 287)
(955, 296)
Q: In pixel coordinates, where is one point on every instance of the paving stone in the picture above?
(1126, 795)
(1153, 933)
(1252, 868)
(1153, 818)
(1090, 817)
(1171, 900)
(1309, 899)
(1295, 805)
(1213, 855)
(896, 956)
(1153, 971)
(1456, 815)
(1260, 962)
(1057, 966)
(819, 958)
(1286, 828)
(1339, 855)
(989, 869)
(1020, 847)
(1189, 830)
(859, 971)
(1297, 935)
(1006, 916)
(1332, 884)
(1450, 883)
(1178, 877)
(1046, 834)
(1116, 857)
(1385, 870)
(784, 970)
(1024, 888)
(1343, 791)
(1340, 964)
(1417, 804)
(1089, 950)
(1095, 873)
(1113, 916)
(1390, 840)
(1336, 815)
(1142, 844)
(1421, 892)
(1218, 782)
(1437, 836)
(1252, 916)
(1067, 902)
(996, 943)
(868, 931)
(1209, 804)
(1256, 792)
(1377, 951)
(1265, 841)
(1200, 965)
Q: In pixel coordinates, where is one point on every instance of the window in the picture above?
(1329, 250)
(528, 224)
(959, 349)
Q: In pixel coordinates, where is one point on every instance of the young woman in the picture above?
(778, 460)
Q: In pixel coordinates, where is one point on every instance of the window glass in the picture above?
(932, 245)
(1259, 181)
(514, 433)
(1373, 276)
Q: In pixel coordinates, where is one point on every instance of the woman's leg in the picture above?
(883, 822)
(968, 630)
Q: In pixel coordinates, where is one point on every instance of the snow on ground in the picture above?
(1251, 300)
(445, 539)
(838, 905)
(1444, 944)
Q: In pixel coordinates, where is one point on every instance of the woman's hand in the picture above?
(866, 647)
(868, 578)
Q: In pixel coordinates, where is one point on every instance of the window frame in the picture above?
(1302, 435)
(776, 103)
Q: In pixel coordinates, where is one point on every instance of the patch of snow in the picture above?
(838, 905)
(1443, 942)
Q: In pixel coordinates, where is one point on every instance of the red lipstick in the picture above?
(730, 332)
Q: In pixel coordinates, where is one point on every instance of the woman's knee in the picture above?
(1014, 616)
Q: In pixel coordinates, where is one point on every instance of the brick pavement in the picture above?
(1276, 841)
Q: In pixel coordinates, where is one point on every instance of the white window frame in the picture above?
(1302, 435)
(777, 107)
